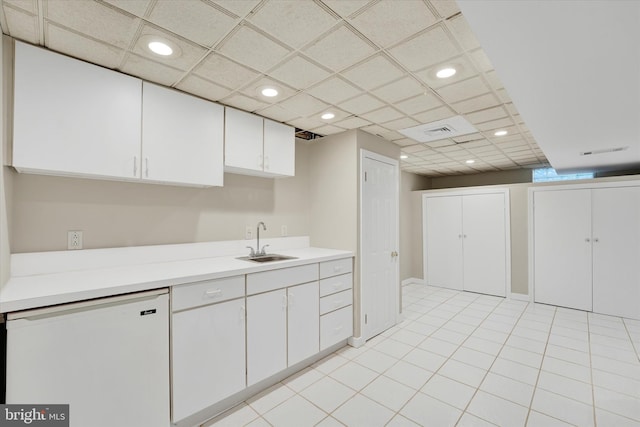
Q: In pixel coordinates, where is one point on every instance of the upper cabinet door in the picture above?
(279, 149)
(74, 118)
(243, 141)
(182, 138)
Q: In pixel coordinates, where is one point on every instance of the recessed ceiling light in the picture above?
(328, 116)
(500, 133)
(269, 91)
(160, 48)
(404, 156)
(445, 73)
(470, 162)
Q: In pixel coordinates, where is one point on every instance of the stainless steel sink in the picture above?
(267, 258)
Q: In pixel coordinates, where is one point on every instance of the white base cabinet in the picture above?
(586, 243)
(303, 322)
(466, 240)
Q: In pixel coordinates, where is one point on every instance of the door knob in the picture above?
(394, 254)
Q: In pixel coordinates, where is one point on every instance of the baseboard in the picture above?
(356, 341)
(412, 281)
(519, 297)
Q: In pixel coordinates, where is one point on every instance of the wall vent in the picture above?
(602, 151)
(442, 129)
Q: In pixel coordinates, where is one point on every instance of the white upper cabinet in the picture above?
(74, 118)
(182, 138)
(257, 146)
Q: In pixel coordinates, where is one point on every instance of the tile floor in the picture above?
(465, 359)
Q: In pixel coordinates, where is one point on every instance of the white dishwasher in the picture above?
(107, 358)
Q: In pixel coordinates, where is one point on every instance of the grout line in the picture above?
(593, 389)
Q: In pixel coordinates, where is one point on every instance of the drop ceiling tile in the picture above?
(21, 25)
(78, 46)
(481, 60)
(469, 137)
(334, 90)
(384, 114)
(306, 123)
(402, 123)
(476, 144)
(190, 53)
(478, 103)
(224, 72)
(339, 49)
(135, 7)
(254, 90)
(150, 70)
(240, 8)
(30, 6)
(462, 32)
(401, 89)
(429, 48)
(487, 115)
(293, 22)
(299, 72)
(353, 123)
(346, 8)
(493, 80)
(495, 124)
(203, 88)
(417, 104)
(463, 90)
(95, 20)
(464, 70)
(243, 102)
(194, 20)
(415, 148)
(504, 96)
(434, 115)
(441, 143)
(374, 130)
(304, 105)
(276, 112)
(249, 47)
(361, 104)
(404, 142)
(392, 136)
(388, 22)
(327, 130)
(373, 73)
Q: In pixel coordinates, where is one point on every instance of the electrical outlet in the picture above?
(74, 239)
(283, 231)
(248, 232)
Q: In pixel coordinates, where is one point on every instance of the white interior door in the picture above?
(379, 243)
(562, 248)
(484, 243)
(443, 241)
(616, 251)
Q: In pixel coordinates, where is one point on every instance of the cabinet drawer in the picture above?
(336, 326)
(207, 292)
(336, 267)
(336, 301)
(336, 284)
(281, 278)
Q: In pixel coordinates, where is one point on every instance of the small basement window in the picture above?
(550, 174)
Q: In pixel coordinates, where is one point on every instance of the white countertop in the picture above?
(40, 290)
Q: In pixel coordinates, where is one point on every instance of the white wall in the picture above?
(411, 258)
(4, 178)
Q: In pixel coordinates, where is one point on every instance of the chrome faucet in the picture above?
(258, 251)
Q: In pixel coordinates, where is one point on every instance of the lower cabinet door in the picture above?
(266, 335)
(208, 356)
(303, 323)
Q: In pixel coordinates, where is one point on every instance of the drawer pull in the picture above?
(338, 329)
(214, 293)
(337, 285)
(337, 268)
(337, 302)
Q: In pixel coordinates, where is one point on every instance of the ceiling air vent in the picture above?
(442, 129)
(602, 151)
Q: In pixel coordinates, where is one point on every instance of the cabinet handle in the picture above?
(243, 312)
(338, 329)
(284, 301)
(464, 236)
(459, 236)
(337, 302)
(337, 269)
(135, 166)
(596, 240)
(337, 285)
(146, 170)
(587, 240)
(214, 293)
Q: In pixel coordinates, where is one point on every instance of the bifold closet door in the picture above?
(483, 219)
(562, 248)
(443, 244)
(616, 251)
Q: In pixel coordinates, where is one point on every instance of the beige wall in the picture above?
(488, 178)
(411, 224)
(4, 180)
(115, 214)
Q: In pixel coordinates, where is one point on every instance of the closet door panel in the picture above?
(443, 245)
(562, 248)
(616, 251)
(483, 219)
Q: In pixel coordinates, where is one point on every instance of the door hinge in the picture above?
(365, 319)
(365, 177)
